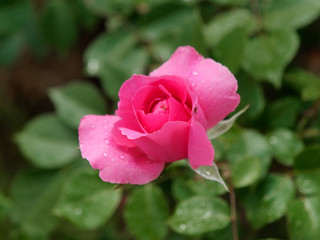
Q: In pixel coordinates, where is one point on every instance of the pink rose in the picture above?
(161, 118)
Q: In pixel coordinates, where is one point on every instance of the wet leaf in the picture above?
(47, 142)
(75, 100)
(304, 219)
(224, 125)
(86, 201)
(285, 145)
(146, 212)
(199, 215)
(269, 200)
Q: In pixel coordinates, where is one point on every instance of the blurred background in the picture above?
(63, 59)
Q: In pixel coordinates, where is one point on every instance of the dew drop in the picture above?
(93, 66)
(121, 157)
(195, 73)
(267, 197)
(183, 227)
(106, 141)
(208, 173)
(193, 84)
(92, 126)
(306, 183)
(105, 154)
(78, 211)
(207, 214)
(273, 140)
(179, 212)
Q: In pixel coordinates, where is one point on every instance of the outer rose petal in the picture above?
(200, 149)
(169, 144)
(213, 83)
(117, 164)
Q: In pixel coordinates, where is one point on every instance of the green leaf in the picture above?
(251, 143)
(285, 145)
(224, 125)
(251, 94)
(290, 13)
(106, 8)
(58, 24)
(83, 16)
(205, 187)
(146, 212)
(5, 205)
(283, 113)
(158, 22)
(267, 55)
(114, 59)
(75, 100)
(309, 159)
(222, 234)
(230, 54)
(210, 173)
(304, 82)
(47, 143)
(10, 48)
(86, 201)
(34, 195)
(246, 171)
(268, 201)
(107, 46)
(13, 17)
(308, 183)
(116, 71)
(304, 219)
(180, 190)
(200, 214)
(225, 23)
(230, 2)
(157, 27)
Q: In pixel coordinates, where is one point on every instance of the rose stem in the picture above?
(233, 206)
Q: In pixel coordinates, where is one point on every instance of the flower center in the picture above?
(160, 107)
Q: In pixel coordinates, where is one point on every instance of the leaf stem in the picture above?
(233, 204)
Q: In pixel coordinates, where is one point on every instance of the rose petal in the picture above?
(169, 144)
(117, 164)
(213, 83)
(152, 121)
(173, 84)
(200, 149)
(178, 111)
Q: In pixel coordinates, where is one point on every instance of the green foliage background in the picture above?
(271, 158)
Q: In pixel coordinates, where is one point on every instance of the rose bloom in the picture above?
(161, 118)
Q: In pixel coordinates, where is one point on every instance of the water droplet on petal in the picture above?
(92, 126)
(193, 84)
(106, 141)
(122, 157)
(105, 154)
(195, 73)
